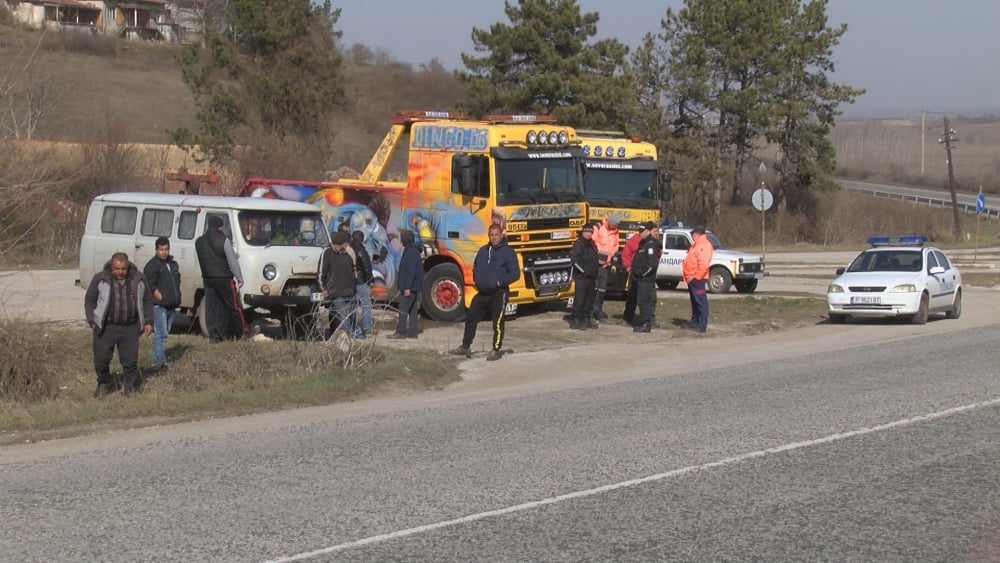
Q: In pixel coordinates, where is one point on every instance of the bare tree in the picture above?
(27, 95)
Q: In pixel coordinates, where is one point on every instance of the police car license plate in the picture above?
(866, 300)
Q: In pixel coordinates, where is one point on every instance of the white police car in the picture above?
(896, 277)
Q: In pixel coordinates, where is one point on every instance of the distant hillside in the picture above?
(123, 88)
(128, 91)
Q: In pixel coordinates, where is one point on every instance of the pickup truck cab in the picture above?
(729, 267)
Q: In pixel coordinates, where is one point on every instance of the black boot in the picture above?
(642, 328)
(577, 324)
(599, 307)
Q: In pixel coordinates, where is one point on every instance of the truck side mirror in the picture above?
(664, 181)
(462, 165)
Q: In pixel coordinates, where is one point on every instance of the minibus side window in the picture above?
(119, 220)
(157, 222)
(188, 224)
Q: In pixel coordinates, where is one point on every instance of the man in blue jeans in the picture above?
(163, 277)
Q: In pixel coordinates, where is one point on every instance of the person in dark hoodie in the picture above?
(493, 270)
(337, 282)
(118, 306)
(163, 276)
(409, 282)
(585, 271)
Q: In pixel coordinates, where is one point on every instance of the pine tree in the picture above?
(544, 62)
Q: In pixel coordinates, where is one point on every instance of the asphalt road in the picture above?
(862, 442)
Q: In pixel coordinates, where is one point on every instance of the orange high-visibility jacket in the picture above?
(606, 238)
(699, 259)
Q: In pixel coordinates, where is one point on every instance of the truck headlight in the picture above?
(270, 272)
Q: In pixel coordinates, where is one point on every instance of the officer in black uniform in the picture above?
(647, 258)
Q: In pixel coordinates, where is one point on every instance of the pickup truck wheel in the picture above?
(666, 284)
(443, 295)
(719, 280)
(745, 286)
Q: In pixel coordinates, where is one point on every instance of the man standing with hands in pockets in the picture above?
(695, 272)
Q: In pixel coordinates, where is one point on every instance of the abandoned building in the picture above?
(171, 21)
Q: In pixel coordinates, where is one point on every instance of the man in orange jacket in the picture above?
(696, 272)
(606, 239)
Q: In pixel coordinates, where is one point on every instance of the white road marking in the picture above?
(633, 482)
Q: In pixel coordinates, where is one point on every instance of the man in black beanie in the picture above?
(222, 280)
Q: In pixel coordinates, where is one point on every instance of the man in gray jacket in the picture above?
(118, 307)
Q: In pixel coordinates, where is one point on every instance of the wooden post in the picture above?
(948, 140)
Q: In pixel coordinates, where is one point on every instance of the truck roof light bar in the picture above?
(431, 114)
(495, 118)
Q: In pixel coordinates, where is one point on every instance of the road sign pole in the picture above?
(979, 217)
(761, 169)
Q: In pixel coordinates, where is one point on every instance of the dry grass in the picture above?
(890, 151)
(206, 380)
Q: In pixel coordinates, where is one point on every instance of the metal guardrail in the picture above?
(930, 201)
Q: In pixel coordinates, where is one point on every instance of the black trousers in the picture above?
(124, 338)
(484, 305)
(584, 294)
(631, 298)
(223, 312)
(601, 284)
(646, 298)
(408, 324)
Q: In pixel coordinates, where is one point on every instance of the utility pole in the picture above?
(923, 137)
(948, 139)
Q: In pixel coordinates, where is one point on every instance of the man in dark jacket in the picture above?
(336, 281)
(222, 279)
(409, 282)
(163, 276)
(118, 307)
(586, 264)
(364, 278)
(647, 260)
(493, 270)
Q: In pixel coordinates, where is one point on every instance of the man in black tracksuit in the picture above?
(222, 280)
(494, 269)
(647, 259)
(585, 271)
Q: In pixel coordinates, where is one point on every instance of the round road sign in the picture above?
(762, 199)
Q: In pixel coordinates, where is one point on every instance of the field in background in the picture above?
(890, 150)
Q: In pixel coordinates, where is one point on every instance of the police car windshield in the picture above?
(538, 181)
(266, 228)
(894, 260)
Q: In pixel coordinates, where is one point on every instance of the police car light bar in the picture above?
(907, 240)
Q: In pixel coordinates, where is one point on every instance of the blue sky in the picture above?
(937, 55)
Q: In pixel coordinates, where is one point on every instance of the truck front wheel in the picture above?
(443, 295)
(719, 280)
